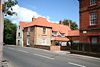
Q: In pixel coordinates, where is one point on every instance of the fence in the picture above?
(86, 47)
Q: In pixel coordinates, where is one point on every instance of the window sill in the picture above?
(92, 6)
(44, 34)
(92, 25)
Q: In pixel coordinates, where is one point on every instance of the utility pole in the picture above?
(1, 31)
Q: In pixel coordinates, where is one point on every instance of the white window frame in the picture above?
(28, 40)
(28, 31)
(93, 18)
(44, 41)
(92, 2)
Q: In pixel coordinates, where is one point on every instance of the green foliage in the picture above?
(9, 32)
(7, 7)
(72, 24)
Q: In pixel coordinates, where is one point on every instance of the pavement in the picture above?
(6, 63)
(33, 57)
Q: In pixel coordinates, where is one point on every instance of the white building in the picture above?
(19, 34)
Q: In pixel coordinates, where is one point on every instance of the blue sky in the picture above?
(55, 10)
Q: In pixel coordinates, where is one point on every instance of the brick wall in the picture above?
(24, 37)
(85, 10)
(32, 34)
(39, 36)
(36, 36)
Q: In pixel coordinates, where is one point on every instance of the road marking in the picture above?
(44, 56)
(23, 51)
(76, 64)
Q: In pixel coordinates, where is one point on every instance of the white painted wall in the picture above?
(20, 38)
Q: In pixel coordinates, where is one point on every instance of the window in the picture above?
(28, 40)
(54, 33)
(94, 40)
(44, 41)
(92, 2)
(19, 27)
(44, 30)
(18, 42)
(62, 35)
(19, 34)
(28, 30)
(93, 18)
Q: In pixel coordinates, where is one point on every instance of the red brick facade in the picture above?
(89, 33)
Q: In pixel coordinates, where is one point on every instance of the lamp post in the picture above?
(1, 31)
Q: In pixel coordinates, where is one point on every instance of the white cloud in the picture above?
(24, 14)
(48, 18)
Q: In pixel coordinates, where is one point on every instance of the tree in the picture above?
(5, 8)
(69, 23)
(9, 32)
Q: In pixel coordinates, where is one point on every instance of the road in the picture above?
(32, 57)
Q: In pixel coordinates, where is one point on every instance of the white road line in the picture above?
(44, 56)
(23, 51)
(76, 64)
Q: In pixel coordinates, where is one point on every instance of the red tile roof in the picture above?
(40, 21)
(60, 28)
(22, 24)
(73, 33)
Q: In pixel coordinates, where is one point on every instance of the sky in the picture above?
(53, 10)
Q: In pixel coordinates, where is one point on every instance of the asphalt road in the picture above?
(32, 57)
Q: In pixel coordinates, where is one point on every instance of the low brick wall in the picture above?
(55, 48)
(42, 47)
(52, 48)
(64, 48)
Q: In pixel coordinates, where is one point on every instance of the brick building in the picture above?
(41, 33)
(89, 21)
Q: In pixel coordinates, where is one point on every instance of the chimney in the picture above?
(60, 22)
(33, 19)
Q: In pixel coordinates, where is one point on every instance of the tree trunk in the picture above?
(1, 31)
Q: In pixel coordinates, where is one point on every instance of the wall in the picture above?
(19, 30)
(39, 36)
(91, 31)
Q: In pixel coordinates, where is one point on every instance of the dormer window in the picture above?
(92, 2)
(54, 33)
(62, 35)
